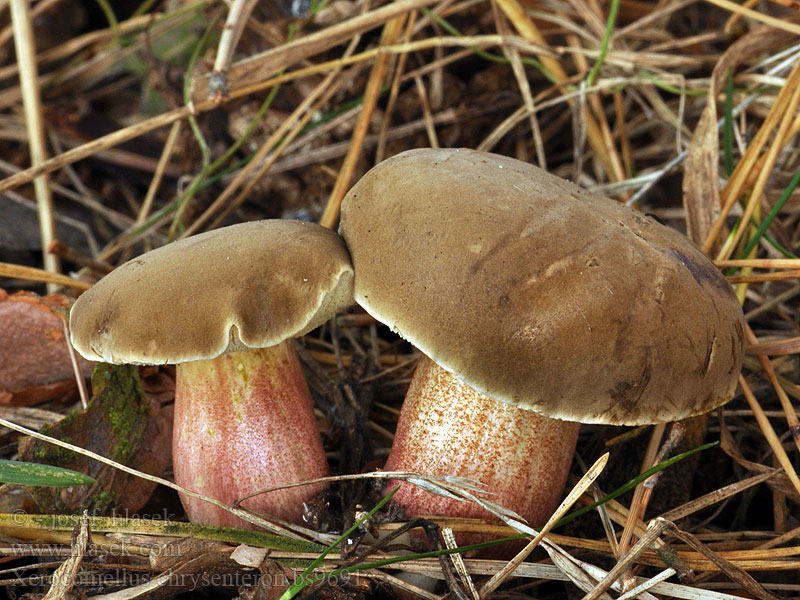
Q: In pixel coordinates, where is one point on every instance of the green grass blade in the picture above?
(727, 126)
(306, 578)
(762, 228)
(601, 56)
(25, 473)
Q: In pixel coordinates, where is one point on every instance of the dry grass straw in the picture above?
(24, 44)
(390, 34)
(617, 107)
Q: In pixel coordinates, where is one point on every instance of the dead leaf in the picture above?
(121, 423)
(34, 357)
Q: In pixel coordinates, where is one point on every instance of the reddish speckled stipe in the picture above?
(244, 422)
(447, 428)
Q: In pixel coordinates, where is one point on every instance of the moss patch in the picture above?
(115, 424)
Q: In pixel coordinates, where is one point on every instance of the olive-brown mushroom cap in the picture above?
(539, 293)
(250, 285)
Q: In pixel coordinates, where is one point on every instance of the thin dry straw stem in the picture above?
(118, 219)
(778, 347)
(579, 111)
(394, 92)
(779, 276)
(77, 44)
(506, 125)
(622, 132)
(25, 47)
(261, 162)
(786, 404)
(163, 161)
(269, 63)
(512, 54)
(81, 73)
(736, 571)
(430, 129)
(391, 32)
(784, 24)
(335, 150)
(759, 263)
(780, 540)
(605, 130)
(76, 370)
(735, 184)
(636, 508)
(333, 86)
(238, 13)
(131, 236)
(458, 563)
(716, 496)
(653, 178)
(528, 29)
(265, 64)
(133, 131)
(647, 585)
(168, 118)
(755, 171)
(90, 148)
(593, 16)
(472, 42)
(769, 433)
(769, 162)
(653, 532)
(653, 17)
(33, 274)
(584, 484)
(589, 12)
(247, 516)
(768, 305)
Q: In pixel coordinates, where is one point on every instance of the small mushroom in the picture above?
(224, 306)
(538, 306)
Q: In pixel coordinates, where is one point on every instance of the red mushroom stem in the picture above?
(244, 422)
(448, 428)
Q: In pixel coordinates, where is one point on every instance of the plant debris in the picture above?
(686, 109)
(35, 364)
(122, 423)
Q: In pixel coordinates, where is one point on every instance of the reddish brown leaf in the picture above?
(34, 358)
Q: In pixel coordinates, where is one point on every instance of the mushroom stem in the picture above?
(448, 428)
(244, 422)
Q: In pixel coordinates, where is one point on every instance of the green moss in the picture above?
(101, 501)
(51, 454)
(118, 391)
(113, 425)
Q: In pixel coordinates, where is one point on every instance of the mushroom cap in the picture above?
(250, 285)
(540, 294)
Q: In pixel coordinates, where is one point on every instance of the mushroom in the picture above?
(538, 306)
(224, 306)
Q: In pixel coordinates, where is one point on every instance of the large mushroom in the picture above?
(538, 306)
(224, 306)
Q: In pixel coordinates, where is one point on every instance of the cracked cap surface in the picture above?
(250, 285)
(539, 293)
